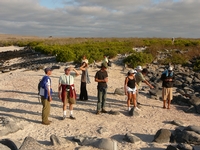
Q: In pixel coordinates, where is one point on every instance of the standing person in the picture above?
(46, 95)
(130, 88)
(168, 80)
(66, 91)
(102, 78)
(84, 80)
(105, 60)
(140, 77)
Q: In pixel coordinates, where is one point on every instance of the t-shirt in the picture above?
(101, 75)
(67, 79)
(139, 78)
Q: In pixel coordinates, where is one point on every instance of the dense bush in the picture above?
(138, 59)
(72, 49)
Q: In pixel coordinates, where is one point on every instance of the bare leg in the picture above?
(164, 103)
(168, 102)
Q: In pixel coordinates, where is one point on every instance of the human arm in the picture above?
(77, 73)
(48, 87)
(125, 85)
(59, 90)
(145, 81)
(83, 66)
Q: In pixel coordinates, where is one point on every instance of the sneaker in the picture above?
(103, 111)
(98, 112)
(64, 116)
(71, 117)
(136, 108)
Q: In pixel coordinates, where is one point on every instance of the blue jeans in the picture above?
(102, 93)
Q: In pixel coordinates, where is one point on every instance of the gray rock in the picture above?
(196, 147)
(31, 144)
(177, 122)
(58, 141)
(193, 128)
(183, 146)
(129, 137)
(107, 144)
(102, 130)
(171, 147)
(191, 137)
(162, 136)
(10, 125)
(119, 91)
(85, 140)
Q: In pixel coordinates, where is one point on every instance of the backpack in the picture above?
(39, 85)
(109, 63)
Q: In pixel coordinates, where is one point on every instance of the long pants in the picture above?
(83, 93)
(101, 99)
(45, 110)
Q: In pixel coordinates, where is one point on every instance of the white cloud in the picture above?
(102, 18)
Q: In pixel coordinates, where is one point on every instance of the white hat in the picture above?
(170, 68)
(132, 71)
(139, 68)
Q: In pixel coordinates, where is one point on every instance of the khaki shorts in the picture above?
(69, 100)
(167, 93)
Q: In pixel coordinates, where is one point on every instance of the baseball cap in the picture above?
(170, 68)
(139, 68)
(47, 69)
(132, 71)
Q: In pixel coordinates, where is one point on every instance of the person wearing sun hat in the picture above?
(46, 95)
(168, 79)
(66, 90)
(130, 88)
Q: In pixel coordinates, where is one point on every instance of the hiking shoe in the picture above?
(71, 117)
(98, 112)
(64, 116)
(46, 123)
(103, 111)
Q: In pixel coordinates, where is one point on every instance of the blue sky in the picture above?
(101, 18)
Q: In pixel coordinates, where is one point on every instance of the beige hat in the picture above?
(132, 71)
(139, 68)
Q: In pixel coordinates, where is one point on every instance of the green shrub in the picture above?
(138, 59)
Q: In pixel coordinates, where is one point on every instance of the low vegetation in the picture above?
(72, 49)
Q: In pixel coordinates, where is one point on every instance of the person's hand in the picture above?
(59, 95)
(106, 79)
(49, 98)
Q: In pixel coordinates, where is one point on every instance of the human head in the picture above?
(132, 71)
(47, 71)
(139, 68)
(67, 70)
(104, 65)
(144, 71)
(170, 68)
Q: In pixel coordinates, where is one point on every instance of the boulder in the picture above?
(107, 144)
(162, 136)
(119, 91)
(129, 137)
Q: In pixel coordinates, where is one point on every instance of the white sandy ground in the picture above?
(18, 98)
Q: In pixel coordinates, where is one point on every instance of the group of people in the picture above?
(67, 92)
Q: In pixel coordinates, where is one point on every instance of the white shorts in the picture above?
(131, 90)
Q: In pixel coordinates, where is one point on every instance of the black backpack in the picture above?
(109, 63)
